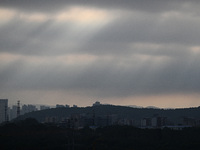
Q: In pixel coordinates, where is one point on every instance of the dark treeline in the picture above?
(29, 134)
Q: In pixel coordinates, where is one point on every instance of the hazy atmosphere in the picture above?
(130, 52)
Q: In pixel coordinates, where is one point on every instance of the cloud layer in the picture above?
(104, 49)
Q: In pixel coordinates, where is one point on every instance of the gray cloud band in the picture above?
(52, 6)
(147, 54)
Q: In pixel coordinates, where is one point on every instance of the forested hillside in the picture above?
(173, 115)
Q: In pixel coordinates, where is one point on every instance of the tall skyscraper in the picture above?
(13, 112)
(3, 110)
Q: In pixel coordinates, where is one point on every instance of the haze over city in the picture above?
(129, 52)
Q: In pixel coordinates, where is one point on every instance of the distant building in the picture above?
(97, 103)
(52, 119)
(28, 108)
(190, 121)
(13, 112)
(158, 122)
(74, 121)
(59, 106)
(62, 106)
(154, 122)
(75, 106)
(146, 122)
(43, 107)
(3, 110)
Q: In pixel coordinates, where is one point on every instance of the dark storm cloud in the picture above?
(52, 6)
(150, 47)
(50, 38)
(33, 38)
(151, 28)
(109, 78)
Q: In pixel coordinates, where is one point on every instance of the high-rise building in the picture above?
(13, 112)
(28, 108)
(3, 110)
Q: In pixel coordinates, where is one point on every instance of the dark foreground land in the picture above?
(29, 134)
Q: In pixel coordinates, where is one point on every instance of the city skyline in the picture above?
(144, 53)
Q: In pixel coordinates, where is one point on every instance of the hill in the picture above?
(120, 112)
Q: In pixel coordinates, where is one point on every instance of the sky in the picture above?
(121, 52)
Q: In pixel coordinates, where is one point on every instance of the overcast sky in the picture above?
(123, 52)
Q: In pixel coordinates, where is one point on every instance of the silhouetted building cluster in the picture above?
(28, 108)
(51, 119)
(155, 122)
(92, 119)
(43, 107)
(78, 121)
(190, 121)
(59, 106)
(3, 110)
